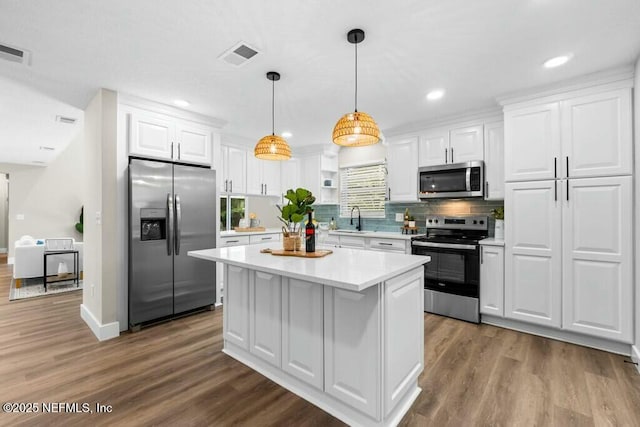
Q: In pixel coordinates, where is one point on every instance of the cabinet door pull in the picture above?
(233, 241)
(267, 238)
(178, 151)
(226, 185)
(445, 154)
(567, 190)
(555, 191)
(389, 194)
(265, 189)
(385, 244)
(555, 167)
(172, 150)
(486, 189)
(231, 186)
(567, 158)
(481, 257)
(451, 154)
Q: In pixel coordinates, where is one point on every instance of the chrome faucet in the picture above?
(359, 226)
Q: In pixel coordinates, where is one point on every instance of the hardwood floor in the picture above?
(175, 374)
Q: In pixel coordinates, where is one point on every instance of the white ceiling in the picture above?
(167, 49)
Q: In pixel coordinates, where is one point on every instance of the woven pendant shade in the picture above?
(272, 147)
(356, 130)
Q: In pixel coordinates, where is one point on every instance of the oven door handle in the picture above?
(445, 245)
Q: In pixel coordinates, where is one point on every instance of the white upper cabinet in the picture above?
(533, 259)
(159, 136)
(597, 135)
(494, 160)
(263, 176)
(402, 167)
(532, 143)
(597, 256)
(466, 144)
(289, 175)
(150, 135)
(193, 143)
(233, 171)
(578, 137)
(434, 148)
(443, 146)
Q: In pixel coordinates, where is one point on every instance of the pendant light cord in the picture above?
(273, 107)
(356, 72)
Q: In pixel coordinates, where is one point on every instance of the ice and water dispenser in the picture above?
(153, 224)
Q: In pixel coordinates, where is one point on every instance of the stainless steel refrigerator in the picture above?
(171, 211)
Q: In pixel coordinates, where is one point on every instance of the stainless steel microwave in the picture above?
(455, 180)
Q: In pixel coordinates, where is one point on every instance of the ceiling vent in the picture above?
(14, 54)
(67, 120)
(239, 54)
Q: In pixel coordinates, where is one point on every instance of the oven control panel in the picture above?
(459, 223)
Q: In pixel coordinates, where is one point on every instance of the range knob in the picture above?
(475, 222)
(436, 221)
(430, 221)
(481, 222)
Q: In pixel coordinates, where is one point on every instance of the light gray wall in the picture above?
(49, 198)
(636, 100)
(101, 208)
(266, 210)
(4, 213)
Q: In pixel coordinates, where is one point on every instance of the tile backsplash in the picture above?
(419, 210)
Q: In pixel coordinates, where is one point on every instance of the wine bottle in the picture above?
(310, 236)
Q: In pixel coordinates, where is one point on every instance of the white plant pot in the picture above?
(499, 229)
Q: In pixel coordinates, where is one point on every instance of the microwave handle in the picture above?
(468, 176)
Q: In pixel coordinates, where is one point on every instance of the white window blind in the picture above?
(365, 187)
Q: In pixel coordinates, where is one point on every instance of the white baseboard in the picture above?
(102, 332)
(635, 356)
(11, 260)
(560, 335)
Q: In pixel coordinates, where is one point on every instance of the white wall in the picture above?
(101, 211)
(4, 213)
(266, 210)
(637, 207)
(349, 156)
(49, 198)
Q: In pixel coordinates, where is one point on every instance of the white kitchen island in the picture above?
(344, 332)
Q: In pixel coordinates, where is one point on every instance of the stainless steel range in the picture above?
(452, 278)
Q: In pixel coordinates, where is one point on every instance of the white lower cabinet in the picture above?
(352, 371)
(533, 264)
(492, 280)
(236, 312)
(568, 256)
(302, 331)
(403, 354)
(597, 281)
(264, 316)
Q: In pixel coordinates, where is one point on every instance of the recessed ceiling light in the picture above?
(181, 103)
(435, 94)
(287, 134)
(557, 61)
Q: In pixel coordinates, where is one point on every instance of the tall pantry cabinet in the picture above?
(568, 212)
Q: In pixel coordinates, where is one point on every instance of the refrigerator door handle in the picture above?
(169, 223)
(178, 223)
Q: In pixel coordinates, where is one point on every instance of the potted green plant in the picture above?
(292, 214)
(498, 215)
(80, 224)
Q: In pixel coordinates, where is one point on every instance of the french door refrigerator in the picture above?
(171, 211)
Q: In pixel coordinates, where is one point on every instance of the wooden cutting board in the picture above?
(249, 229)
(302, 254)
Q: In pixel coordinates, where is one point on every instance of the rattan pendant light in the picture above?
(358, 128)
(272, 147)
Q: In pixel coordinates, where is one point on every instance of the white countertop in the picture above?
(381, 234)
(234, 233)
(351, 269)
(490, 241)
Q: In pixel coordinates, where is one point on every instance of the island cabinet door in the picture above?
(236, 306)
(403, 335)
(352, 348)
(264, 316)
(302, 343)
